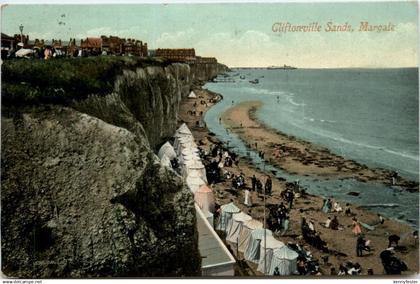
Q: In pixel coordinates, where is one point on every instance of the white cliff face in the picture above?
(82, 192)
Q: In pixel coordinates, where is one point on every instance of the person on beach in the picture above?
(290, 197)
(328, 222)
(253, 182)
(220, 120)
(268, 185)
(259, 186)
(334, 223)
(342, 270)
(356, 226)
(325, 206)
(347, 210)
(360, 245)
(285, 225)
(337, 208)
(248, 201)
(381, 219)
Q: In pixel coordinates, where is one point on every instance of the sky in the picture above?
(239, 34)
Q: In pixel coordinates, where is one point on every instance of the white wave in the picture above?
(334, 137)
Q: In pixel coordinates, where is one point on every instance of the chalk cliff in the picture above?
(83, 195)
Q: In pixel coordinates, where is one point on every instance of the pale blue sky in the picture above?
(238, 34)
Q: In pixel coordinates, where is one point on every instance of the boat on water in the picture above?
(284, 67)
(255, 81)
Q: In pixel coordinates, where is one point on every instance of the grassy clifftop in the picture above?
(59, 81)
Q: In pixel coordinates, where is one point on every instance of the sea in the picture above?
(367, 115)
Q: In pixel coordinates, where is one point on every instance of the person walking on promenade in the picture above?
(248, 201)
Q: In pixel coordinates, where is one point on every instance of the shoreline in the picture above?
(344, 242)
(297, 156)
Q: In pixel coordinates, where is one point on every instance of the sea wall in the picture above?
(83, 195)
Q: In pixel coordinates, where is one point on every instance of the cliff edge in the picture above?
(83, 194)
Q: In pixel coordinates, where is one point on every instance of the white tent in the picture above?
(185, 144)
(268, 248)
(195, 167)
(285, 259)
(192, 95)
(167, 150)
(194, 181)
(183, 130)
(252, 249)
(165, 161)
(185, 159)
(236, 227)
(247, 228)
(226, 212)
(204, 197)
(178, 140)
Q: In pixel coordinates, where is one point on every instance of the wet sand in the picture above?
(301, 157)
(340, 241)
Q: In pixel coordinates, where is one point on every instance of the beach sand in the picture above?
(340, 241)
(300, 157)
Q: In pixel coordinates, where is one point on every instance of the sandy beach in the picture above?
(303, 158)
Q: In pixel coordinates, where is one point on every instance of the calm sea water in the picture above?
(369, 115)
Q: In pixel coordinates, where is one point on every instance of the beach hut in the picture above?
(285, 259)
(185, 159)
(179, 139)
(167, 150)
(226, 212)
(195, 167)
(185, 143)
(194, 181)
(252, 250)
(236, 227)
(183, 130)
(192, 95)
(204, 197)
(247, 228)
(267, 248)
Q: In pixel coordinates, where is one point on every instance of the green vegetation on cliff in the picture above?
(59, 81)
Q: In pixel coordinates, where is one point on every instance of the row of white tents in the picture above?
(192, 169)
(254, 242)
(248, 234)
(218, 260)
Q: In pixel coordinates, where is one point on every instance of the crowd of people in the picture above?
(218, 164)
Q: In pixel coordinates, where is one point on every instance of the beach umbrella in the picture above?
(252, 249)
(267, 248)
(204, 197)
(194, 182)
(247, 228)
(226, 212)
(167, 150)
(285, 259)
(236, 227)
